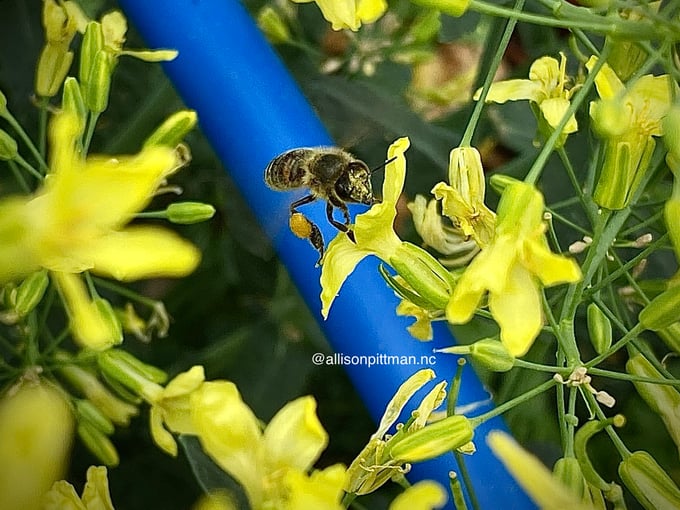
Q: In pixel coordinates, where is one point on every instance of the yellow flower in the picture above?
(62, 495)
(627, 118)
(463, 198)
(78, 221)
(349, 13)
(36, 428)
(262, 461)
(538, 482)
(513, 268)
(172, 406)
(373, 230)
(546, 88)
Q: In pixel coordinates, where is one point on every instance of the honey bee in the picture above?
(330, 174)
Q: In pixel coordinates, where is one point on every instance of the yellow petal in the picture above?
(651, 97)
(160, 435)
(532, 475)
(340, 13)
(295, 437)
(550, 268)
(395, 171)
(230, 433)
(96, 492)
(62, 496)
(88, 325)
(185, 383)
(546, 72)
(17, 254)
(517, 310)
(36, 427)
(339, 261)
(401, 397)
(512, 90)
(321, 489)
(553, 109)
(142, 252)
(607, 83)
(369, 11)
(424, 495)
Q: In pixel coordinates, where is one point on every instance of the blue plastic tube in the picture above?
(251, 110)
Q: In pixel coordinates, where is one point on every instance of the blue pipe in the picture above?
(251, 110)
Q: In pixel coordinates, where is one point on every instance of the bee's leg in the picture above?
(304, 200)
(305, 229)
(342, 227)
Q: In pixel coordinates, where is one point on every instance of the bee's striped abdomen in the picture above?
(287, 170)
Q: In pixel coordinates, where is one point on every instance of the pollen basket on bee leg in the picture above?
(300, 225)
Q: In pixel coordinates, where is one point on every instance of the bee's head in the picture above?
(354, 185)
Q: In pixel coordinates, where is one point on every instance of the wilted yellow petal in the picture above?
(553, 109)
(403, 394)
(546, 71)
(62, 496)
(294, 438)
(96, 492)
(160, 435)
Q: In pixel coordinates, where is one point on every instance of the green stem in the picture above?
(26, 166)
(467, 480)
(19, 176)
(91, 124)
(510, 404)
(27, 140)
(576, 18)
(490, 75)
(42, 126)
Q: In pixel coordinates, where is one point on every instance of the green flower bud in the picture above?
(93, 43)
(72, 101)
(672, 216)
(30, 292)
(488, 352)
(499, 182)
(432, 440)
(186, 213)
(99, 444)
(98, 85)
(3, 105)
(53, 65)
(173, 130)
(648, 482)
(599, 328)
(88, 412)
(455, 8)
(568, 471)
(426, 27)
(110, 319)
(423, 273)
(149, 372)
(663, 399)
(671, 336)
(671, 130)
(663, 311)
(624, 165)
(272, 25)
(8, 146)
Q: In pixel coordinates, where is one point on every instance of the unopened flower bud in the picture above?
(30, 292)
(488, 352)
(173, 130)
(671, 131)
(72, 101)
(3, 105)
(568, 471)
(187, 213)
(423, 273)
(53, 65)
(599, 328)
(499, 182)
(98, 444)
(88, 412)
(663, 311)
(433, 440)
(648, 482)
(274, 28)
(663, 399)
(138, 377)
(8, 146)
(672, 217)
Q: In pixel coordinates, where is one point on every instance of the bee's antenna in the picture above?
(383, 165)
